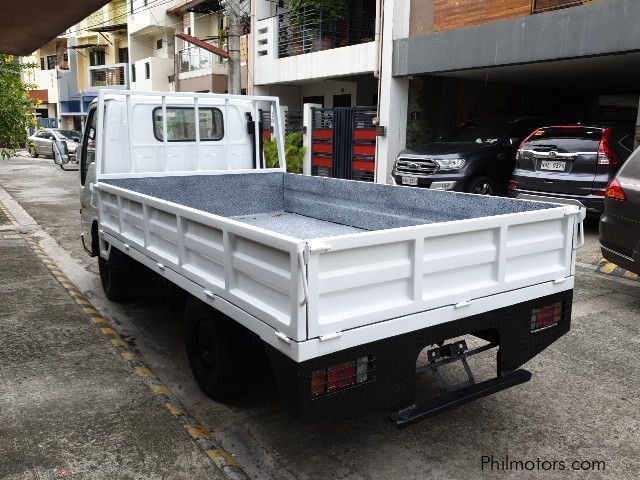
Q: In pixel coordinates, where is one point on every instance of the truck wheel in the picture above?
(115, 275)
(214, 350)
(482, 185)
(32, 152)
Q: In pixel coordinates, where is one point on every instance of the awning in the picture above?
(26, 26)
(204, 45)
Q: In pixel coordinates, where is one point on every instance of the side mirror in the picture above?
(60, 153)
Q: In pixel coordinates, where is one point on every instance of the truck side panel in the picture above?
(257, 272)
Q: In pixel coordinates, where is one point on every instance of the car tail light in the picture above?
(606, 154)
(521, 147)
(615, 191)
(545, 317)
(513, 185)
(341, 376)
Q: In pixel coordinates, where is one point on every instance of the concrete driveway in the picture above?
(581, 404)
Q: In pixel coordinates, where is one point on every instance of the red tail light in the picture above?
(341, 376)
(519, 152)
(606, 154)
(545, 317)
(615, 191)
(513, 185)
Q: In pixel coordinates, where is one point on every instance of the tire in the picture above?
(216, 349)
(483, 185)
(32, 152)
(116, 275)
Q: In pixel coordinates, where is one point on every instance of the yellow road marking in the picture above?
(118, 342)
(175, 411)
(129, 356)
(90, 311)
(160, 390)
(108, 331)
(144, 372)
(217, 455)
(99, 320)
(82, 301)
(630, 275)
(608, 268)
(197, 431)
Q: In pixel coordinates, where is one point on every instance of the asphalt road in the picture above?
(581, 404)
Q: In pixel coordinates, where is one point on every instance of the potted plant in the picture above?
(293, 152)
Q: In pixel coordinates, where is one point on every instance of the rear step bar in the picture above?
(456, 395)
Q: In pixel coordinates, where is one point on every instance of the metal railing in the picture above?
(112, 76)
(196, 58)
(311, 31)
(538, 6)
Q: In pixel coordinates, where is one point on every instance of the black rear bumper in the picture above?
(392, 383)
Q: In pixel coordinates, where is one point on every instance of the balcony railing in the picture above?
(112, 76)
(196, 58)
(309, 31)
(538, 6)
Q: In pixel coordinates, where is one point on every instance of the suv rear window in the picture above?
(567, 132)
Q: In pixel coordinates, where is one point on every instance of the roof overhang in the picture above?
(196, 6)
(26, 26)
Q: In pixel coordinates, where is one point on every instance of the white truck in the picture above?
(342, 283)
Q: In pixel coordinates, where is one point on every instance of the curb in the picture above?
(222, 459)
(612, 269)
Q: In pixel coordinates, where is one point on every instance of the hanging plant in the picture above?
(329, 11)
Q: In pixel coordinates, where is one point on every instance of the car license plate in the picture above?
(409, 180)
(552, 165)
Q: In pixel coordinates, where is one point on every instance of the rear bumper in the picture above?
(593, 203)
(392, 384)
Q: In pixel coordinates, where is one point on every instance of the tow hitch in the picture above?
(452, 396)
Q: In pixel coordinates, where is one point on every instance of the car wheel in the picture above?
(32, 152)
(482, 185)
(214, 350)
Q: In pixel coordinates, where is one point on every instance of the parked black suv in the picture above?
(620, 223)
(572, 161)
(478, 157)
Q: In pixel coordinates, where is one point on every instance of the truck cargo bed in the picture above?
(309, 207)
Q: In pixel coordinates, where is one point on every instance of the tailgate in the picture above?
(365, 278)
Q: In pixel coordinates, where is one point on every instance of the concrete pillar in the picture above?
(307, 136)
(393, 96)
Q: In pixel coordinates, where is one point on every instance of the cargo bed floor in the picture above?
(298, 226)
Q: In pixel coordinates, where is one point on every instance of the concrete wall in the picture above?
(208, 83)
(594, 29)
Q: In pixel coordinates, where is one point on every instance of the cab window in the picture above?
(88, 155)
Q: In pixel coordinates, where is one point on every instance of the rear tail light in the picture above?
(521, 147)
(615, 191)
(606, 154)
(545, 317)
(513, 185)
(341, 376)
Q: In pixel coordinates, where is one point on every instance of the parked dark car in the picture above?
(477, 157)
(620, 223)
(572, 161)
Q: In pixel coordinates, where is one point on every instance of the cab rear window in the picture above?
(181, 124)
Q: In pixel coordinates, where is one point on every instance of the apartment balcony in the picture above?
(196, 62)
(109, 76)
(307, 47)
(310, 31)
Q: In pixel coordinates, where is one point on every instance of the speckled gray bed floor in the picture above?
(294, 225)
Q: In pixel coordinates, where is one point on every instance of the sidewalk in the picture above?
(70, 405)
